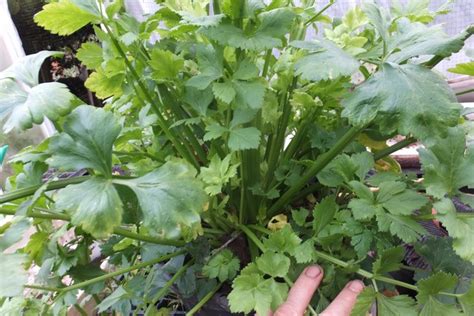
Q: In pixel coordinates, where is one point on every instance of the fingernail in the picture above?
(312, 272)
(356, 286)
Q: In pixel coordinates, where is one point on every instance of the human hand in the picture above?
(302, 291)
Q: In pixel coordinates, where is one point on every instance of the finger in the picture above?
(345, 301)
(301, 293)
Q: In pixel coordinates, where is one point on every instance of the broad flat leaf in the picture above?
(435, 307)
(119, 294)
(299, 216)
(274, 24)
(344, 169)
(396, 305)
(279, 293)
(363, 208)
(364, 302)
(12, 274)
(404, 227)
(390, 260)
(211, 66)
(37, 105)
(378, 18)
(273, 264)
(305, 252)
(214, 131)
(246, 71)
(398, 200)
(199, 99)
(461, 229)
(250, 292)
(165, 64)
(244, 138)
(87, 140)
(438, 282)
(105, 86)
(223, 266)
(323, 213)
(249, 93)
(464, 69)
(417, 39)
(171, 199)
(99, 213)
(224, 91)
(447, 164)
(90, 54)
(217, 174)
(26, 69)
(407, 98)
(64, 17)
(283, 240)
(14, 233)
(325, 61)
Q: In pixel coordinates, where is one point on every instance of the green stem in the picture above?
(138, 153)
(53, 185)
(117, 230)
(166, 287)
(465, 92)
(204, 300)
(161, 120)
(319, 165)
(395, 147)
(315, 17)
(108, 275)
(80, 310)
(266, 65)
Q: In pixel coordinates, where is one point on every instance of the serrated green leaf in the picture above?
(435, 307)
(103, 85)
(273, 264)
(378, 18)
(210, 65)
(90, 54)
(165, 64)
(217, 174)
(299, 216)
(214, 131)
(87, 141)
(99, 213)
(404, 227)
(344, 169)
(421, 100)
(463, 69)
(223, 266)
(64, 17)
(274, 24)
(364, 302)
(325, 61)
(461, 229)
(245, 71)
(12, 274)
(305, 252)
(390, 260)
(323, 213)
(199, 99)
(417, 39)
(362, 191)
(224, 91)
(250, 292)
(171, 199)
(447, 165)
(244, 138)
(283, 241)
(396, 305)
(279, 293)
(32, 107)
(433, 285)
(249, 93)
(363, 209)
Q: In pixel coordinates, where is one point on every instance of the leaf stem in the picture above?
(108, 275)
(387, 151)
(166, 287)
(53, 185)
(465, 92)
(319, 165)
(117, 230)
(204, 300)
(316, 16)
